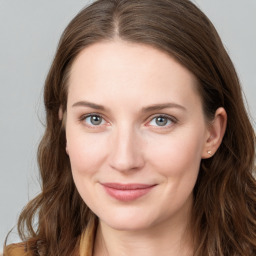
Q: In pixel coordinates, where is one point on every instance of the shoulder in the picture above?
(16, 250)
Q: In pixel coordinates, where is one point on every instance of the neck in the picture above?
(170, 238)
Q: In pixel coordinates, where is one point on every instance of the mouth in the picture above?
(127, 192)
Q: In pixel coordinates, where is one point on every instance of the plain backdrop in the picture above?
(29, 33)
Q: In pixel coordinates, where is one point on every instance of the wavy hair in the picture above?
(224, 210)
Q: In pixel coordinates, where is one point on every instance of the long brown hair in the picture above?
(224, 212)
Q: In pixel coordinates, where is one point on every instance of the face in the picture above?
(135, 133)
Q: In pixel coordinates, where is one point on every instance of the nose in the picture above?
(126, 152)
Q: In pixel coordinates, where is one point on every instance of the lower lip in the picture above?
(127, 194)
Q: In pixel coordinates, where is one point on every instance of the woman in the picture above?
(148, 148)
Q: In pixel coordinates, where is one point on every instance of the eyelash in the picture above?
(171, 119)
(84, 117)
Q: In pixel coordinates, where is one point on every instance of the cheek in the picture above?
(176, 155)
(86, 151)
(177, 160)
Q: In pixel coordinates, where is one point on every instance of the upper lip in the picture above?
(132, 186)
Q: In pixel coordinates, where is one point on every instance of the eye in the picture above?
(94, 120)
(161, 121)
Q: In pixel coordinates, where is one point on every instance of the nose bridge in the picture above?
(126, 151)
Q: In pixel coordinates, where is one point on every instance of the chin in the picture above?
(128, 220)
(128, 225)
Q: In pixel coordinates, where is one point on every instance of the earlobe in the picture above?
(216, 131)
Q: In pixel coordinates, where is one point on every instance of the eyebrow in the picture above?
(155, 107)
(88, 104)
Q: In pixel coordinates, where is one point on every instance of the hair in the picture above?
(224, 210)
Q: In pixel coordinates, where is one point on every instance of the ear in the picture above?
(67, 150)
(62, 117)
(60, 113)
(215, 133)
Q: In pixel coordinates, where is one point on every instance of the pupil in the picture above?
(96, 120)
(161, 121)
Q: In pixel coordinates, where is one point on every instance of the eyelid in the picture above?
(171, 118)
(148, 120)
(83, 117)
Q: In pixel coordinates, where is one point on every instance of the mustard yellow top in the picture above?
(15, 250)
(86, 243)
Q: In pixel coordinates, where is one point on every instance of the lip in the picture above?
(127, 192)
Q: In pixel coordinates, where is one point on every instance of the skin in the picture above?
(128, 145)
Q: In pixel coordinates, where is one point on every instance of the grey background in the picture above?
(29, 32)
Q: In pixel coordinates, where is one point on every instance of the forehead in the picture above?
(122, 69)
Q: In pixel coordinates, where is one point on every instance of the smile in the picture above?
(127, 192)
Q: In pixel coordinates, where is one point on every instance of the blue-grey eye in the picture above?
(160, 121)
(94, 120)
